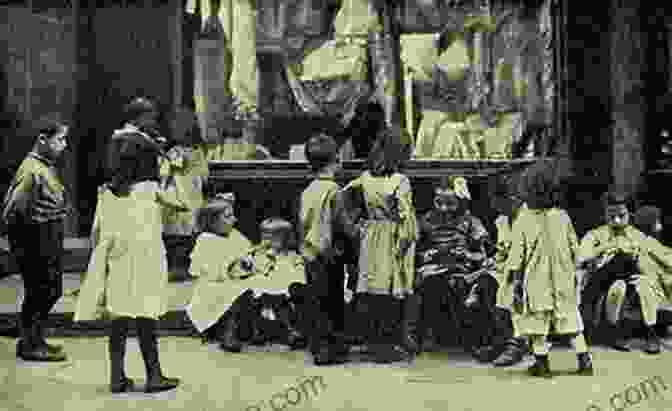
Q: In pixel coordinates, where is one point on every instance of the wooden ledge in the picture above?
(293, 170)
(660, 171)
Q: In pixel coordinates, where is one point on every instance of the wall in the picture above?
(129, 54)
(38, 60)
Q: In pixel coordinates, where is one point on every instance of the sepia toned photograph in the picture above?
(287, 205)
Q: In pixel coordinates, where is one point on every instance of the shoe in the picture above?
(156, 381)
(585, 364)
(389, 353)
(541, 367)
(409, 326)
(125, 385)
(652, 344)
(429, 343)
(229, 340)
(512, 355)
(485, 354)
(617, 337)
(294, 339)
(327, 356)
(40, 354)
(40, 334)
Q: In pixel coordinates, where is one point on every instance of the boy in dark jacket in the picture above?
(34, 210)
(319, 216)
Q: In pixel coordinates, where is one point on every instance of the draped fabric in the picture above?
(336, 98)
(331, 80)
(329, 75)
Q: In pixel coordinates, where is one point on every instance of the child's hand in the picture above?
(247, 263)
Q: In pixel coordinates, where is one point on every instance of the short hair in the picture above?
(614, 198)
(321, 150)
(645, 218)
(137, 107)
(48, 126)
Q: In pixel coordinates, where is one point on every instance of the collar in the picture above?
(41, 158)
(326, 176)
(132, 128)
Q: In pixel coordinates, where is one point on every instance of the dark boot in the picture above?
(229, 340)
(428, 341)
(294, 338)
(40, 334)
(117, 349)
(326, 348)
(411, 317)
(585, 364)
(387, 347)
(24, 343)
(156, 381)
(514, 352)
(541, 367)
(29, 349)
(617, 337)
(652, 344)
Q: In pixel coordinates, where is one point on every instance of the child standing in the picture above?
(129, 253)
(509, 205)
(325, 269)
(387, 261)
(34, 210)
(185, 168)
(542, 271)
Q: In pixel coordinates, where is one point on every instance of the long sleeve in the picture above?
(172, 198)
(19, 197)
(572, 238)
(518, 250)
(409, 230)
(587, 250)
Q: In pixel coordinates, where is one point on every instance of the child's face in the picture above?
(447, 203)
(617, 216)
(56, 144)
(225, 221)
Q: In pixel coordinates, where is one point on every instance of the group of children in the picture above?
(416, 279)
(413, 279)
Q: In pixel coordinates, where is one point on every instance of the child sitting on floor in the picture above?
(243, 288)
(284, 270)
(219, 308)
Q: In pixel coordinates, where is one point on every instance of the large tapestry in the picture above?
(477, 75)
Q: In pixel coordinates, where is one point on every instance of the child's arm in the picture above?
(515, 262)
(20, 197)
(172, 198)
(408, 229)
(590, 250)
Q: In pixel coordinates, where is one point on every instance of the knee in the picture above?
(617, 292)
